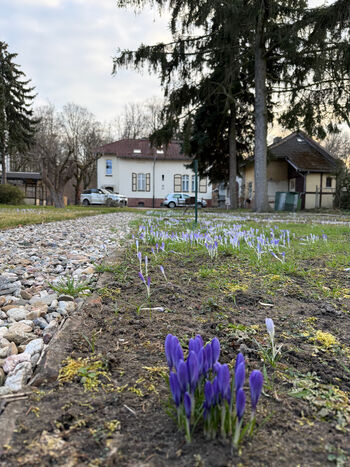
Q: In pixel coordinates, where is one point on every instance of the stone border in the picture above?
(49, 365)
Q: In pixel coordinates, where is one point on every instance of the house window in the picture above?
(203, 185)
(185, 183)
(177, 183)
(108, 167)
(329, 182)
(193, 183)
(141, 182)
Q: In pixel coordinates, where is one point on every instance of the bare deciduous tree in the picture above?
(54, 157)
(82, 135)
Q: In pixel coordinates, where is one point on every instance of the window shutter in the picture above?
(134, 182)
(203, 185)
(148, 182)
(177, 183)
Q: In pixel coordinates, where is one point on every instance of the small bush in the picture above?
(10, 194)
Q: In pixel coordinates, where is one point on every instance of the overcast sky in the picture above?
(66, 47)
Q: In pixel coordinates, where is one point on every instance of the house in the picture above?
(298, 164)
(145, 174)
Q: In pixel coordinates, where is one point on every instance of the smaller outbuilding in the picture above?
(297, 164)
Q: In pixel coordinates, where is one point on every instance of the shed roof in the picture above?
(303, 153)
(125, 148)
(23, 176)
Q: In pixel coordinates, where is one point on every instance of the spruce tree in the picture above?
(17, 124)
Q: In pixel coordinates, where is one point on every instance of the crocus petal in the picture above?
(270, 328)
(188, 405)
(208, 355)
(209, 394)
(239, 376)
(175, 388)
(256, 382)
(240, 403)
(223, 379)
(169, 350)
(200, 357)
(216, 367)
(182, 375)
(148, 281)
(177, 352)
(192, 368)
(239, 359)
(200, 340)
(142, 278)
(215, 348)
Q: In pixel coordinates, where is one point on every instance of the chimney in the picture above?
(277, 139)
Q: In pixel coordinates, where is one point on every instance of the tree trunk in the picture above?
(233, 159)
(260, 154)
(3, 169)
(57, 198)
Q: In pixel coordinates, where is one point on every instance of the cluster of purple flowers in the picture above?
(202, 384)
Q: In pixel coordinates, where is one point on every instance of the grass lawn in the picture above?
(221, 279)
(13, 216)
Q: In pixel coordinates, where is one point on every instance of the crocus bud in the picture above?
(188, 405)
(192, 368)
(223, 380)
(270, 328)
(175, 388)
(139, 255)
(169, 350)
(182, 375)
(215, 348)
(239, 359)
(256, 382)
(239, 376)
(142, 278)
(240, 403)
(148, 281)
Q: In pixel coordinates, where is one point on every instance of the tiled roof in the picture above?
(125, 148)
(303, 153)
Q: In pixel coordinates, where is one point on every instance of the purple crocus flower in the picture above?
(239, 376)
(239, 359)
(169, 350)
(256, 382)
(192, 369)
(224, 381)
(182, 375)
(148, 281)
(209, 394)
(139, 255)
(201, 360)
(175, 388)
(215, 348)
(208, 356)
(188, 405)
(178, 354)
(240, 403)
(216, 367)
(142, 278)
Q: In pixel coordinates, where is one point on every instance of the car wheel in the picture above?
(86, 202)
(171, 205)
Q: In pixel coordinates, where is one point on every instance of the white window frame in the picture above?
(185, 183)
(109, 167)
(141, 182)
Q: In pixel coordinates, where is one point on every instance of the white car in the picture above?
(179, 199)
(102, 196)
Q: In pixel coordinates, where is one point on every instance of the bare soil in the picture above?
(125, 422)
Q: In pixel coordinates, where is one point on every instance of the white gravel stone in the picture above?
(17, 379)
(32, 257)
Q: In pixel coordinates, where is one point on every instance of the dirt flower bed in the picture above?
(111, 404)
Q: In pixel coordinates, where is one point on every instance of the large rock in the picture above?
(18, 313)
(13, 360)
(46, 299)
(35, 346)
(18, 378)
(19, 333)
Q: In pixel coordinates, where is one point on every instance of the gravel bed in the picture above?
(33, 257)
